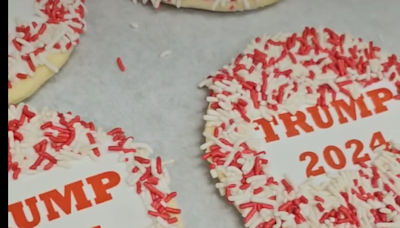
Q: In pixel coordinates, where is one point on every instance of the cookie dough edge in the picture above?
(25, 88)
(173, 204)
(238, 6)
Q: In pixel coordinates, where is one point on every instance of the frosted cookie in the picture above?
(41, 37)
(64, 172)
(215, 5)
(302, 130)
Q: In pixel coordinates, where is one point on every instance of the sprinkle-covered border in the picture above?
(64, 22)
(214, 6)
(57, 139)
(281, 74)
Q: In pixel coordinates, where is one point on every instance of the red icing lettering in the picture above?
(100, 188)
(100, 184)
(323, 118)
(64, 201)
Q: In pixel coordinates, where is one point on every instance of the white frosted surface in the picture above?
(157, 100)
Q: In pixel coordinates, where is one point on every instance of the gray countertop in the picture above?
(157, 100)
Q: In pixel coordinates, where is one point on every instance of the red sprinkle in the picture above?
(120, 64)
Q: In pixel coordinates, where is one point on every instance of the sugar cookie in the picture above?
(42, 36)
(214, 5)
(298, 132)
(64, 172)
(221, 5)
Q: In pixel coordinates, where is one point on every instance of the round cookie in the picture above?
(64, 172)
(42, 35)
(221, 6)
(215, 5)
(265, 110)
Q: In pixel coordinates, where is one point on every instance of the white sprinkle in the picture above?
(165, 53)
(134, 25)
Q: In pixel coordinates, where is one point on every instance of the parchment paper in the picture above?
(157, 100)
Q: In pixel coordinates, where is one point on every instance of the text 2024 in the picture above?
(356, 145)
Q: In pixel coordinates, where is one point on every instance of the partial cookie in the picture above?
(215, 5)
(65, 172)
(42, 35)
(221, 5)
(302, 130)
